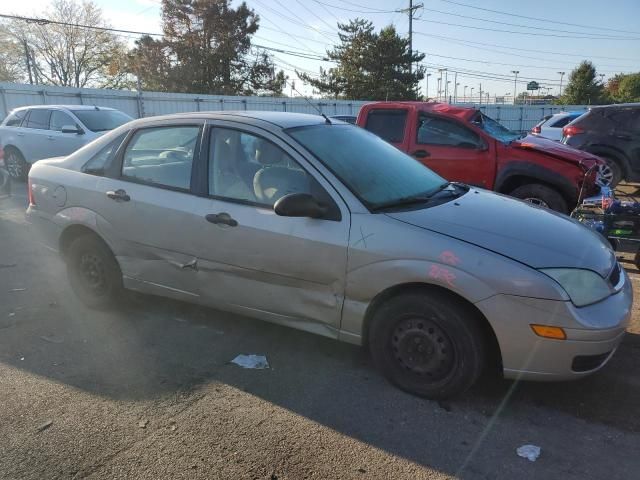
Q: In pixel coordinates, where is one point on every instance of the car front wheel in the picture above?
(93, 272)
(542, 196)
(427, 344)
(15, 164)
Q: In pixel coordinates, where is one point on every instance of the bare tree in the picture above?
(70, 55)
(11, 57)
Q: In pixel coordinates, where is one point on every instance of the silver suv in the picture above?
(32, 133)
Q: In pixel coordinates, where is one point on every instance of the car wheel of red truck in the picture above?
(542, 196)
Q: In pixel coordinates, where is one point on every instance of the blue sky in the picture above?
(478, 55)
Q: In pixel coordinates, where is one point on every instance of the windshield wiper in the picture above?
(414, 199)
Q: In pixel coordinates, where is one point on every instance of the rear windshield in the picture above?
(101, 120)
(387, 124)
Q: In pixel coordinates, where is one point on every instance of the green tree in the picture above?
(629, 88)
(369, 65)
(583, 88)
(206, 48)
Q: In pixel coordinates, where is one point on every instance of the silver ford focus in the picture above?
(319, 225)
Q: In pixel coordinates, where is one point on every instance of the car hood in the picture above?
(532, 235)
(555, 149)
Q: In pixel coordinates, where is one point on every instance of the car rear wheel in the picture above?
(15, 164)
(93, 272)
(427, 344)
(542, 196)
(610, 174)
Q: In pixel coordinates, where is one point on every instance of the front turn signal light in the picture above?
(547, 331)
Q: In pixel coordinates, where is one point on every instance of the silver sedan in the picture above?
(319, 225)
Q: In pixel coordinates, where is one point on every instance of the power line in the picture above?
(527, 33)
(314, 14)
(517, 24)
(369, 10)
(538, 19)
(292, 20)
(305, 23)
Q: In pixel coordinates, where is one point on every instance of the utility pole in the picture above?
(471, 97)
(480, 93)
(561, 75)
(446, 85)
(465, 93)
(28, 59)
(455, 88)
(412, 8)
(427, 89)
(515, 85)
(440, 70)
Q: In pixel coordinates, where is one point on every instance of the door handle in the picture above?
(19, 134)
(421, 154)
(119, 195)
(50, 137)
(221, 219)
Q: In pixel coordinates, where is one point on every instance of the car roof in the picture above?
(464, 113)
(616, 105)
(280, 119)
(67, 107)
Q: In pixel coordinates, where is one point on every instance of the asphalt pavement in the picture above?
(147, 391)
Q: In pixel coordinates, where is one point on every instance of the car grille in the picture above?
(614, 276)
(584, 363)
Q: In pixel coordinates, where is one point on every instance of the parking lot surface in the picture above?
(148, 391)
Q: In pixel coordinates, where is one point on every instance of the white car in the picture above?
(32, 133)
(551, 126)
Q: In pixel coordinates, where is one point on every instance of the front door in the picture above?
(62, 144)
(36, 143)
(454, 151)
(289, 268)
(147, 211)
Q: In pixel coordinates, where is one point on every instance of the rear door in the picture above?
(453, 150)
(62, 144)
(36, 144)
(147, 209)
(288, 268)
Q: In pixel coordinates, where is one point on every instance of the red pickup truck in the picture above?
(463, 144)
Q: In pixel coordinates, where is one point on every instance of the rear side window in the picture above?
(38, 118)
(562, 122)
(387, 124)
(438, 131)
(162, 156)
(98, 163)
(543, 121)
(15, 119)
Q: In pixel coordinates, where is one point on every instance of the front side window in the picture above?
(440, 131)
(15, 119)
(248, 168)
(374, 170)
(101, 120)
(60, 119)
(38, 118)
(387, 124)
(162, 156)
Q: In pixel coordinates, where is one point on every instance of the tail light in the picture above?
(536, 129)
(571, 130)
(32, 200)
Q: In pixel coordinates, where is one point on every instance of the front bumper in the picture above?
(593, 334)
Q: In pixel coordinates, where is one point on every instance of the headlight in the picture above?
(584, 287)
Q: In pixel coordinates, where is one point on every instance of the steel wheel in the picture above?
(423, 348)
(93, 272)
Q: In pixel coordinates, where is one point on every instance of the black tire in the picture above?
(15, 164)
(612, 174)
(93, 272)
(542, 196)
(428, 344)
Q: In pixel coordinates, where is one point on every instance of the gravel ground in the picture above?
(147, 391)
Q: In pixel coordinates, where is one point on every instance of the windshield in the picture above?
(375, 171)
(496, 130)
(101, 120)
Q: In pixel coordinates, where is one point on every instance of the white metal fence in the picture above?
(145, 104)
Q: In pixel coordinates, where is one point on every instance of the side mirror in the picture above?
(299, 205)
(72, 129)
